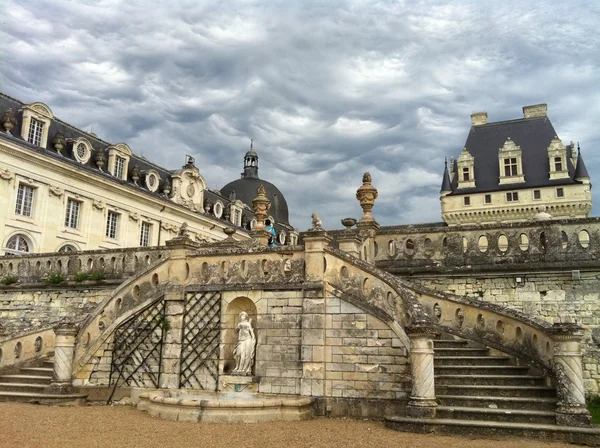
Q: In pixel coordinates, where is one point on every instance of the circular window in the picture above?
(584, 238)
(82, 152)
(17, 244)
(502, 243)
(218, 209)
(282, 237)
(152, 181)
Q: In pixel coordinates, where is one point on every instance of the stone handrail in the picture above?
(26, 346)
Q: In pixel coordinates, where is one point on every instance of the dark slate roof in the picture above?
(246, 189)
(581, 171)
(533, 135)
(446, 184)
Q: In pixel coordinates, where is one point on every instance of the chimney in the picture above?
(478, 118)
(537, 110)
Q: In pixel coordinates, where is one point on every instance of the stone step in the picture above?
(29, 379)
(496, 391)
(22, 387)
(461, 351)
(37, 371)
(41, 398)
(533, 403)
(585, 436)
(497, 415)
(481, 370)
(471, 360)
(443, 343)
(496, 380)
(48, 364)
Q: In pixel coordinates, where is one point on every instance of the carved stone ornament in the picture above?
(59, 142)
(317, 224)
(207, 206)
(243, 352)
(56, 191)
(366, 196)
(166, 189)
(190, 190)
(135, 174)
(261, 206)
(135, 216)
(6, 175)
(100, 159)
(183, 230)
(8, 120)
(99, 205)
(510, 146)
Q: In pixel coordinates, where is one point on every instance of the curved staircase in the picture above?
(483, 393)
(31, 385)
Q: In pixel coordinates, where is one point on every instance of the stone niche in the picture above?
(230, 320)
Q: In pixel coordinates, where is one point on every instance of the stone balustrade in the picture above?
(117, 263)
(21, 348)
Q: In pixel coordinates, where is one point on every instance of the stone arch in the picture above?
(231, 318)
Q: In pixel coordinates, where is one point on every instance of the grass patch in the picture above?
(9, 280)
(97, 275)
(55, 279)
(594, 407)
(81, 277)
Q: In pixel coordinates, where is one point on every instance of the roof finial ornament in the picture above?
(251, 143)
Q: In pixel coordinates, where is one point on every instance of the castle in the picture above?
(134, 278)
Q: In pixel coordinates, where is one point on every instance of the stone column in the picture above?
(64, 351)
(571, 408)
(315, 242)
(173, 336)
(422, 402)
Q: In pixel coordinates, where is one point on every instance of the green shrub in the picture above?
(9, 280)
(55, 279)
(594, 407)
(97, 275)
(81, 277)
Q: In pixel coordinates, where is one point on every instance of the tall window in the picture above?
(560, 193)
(35, 132)
(72, 217)
(145, 234)
(467, 200)
(112, 221)
(488, 198)
(119, 167)
(24, 200)
(237, 217)
(466, 174)
(537, 194)
(510, 166)
(558, 164)
(17, 243)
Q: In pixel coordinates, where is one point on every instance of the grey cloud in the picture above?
(328, 90)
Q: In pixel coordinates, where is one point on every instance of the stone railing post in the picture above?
(422, 402)
(64, 352)
(568, 371)
(315, 242)
(350, 243)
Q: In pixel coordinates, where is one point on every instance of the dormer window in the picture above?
(118, 160)
(119, 166)
(557, 157)
(35, 132)
(152, 180)
(466, 169)
(511, 163)
(36, 122)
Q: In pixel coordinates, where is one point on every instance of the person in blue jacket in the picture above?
(271, 229)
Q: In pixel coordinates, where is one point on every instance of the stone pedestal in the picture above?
(238, 383)
(422, 402)
(315, 242)
(571, 408)
(350, 243)
(64, 351)
(261, 235)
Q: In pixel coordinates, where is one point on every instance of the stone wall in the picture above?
(552, 296)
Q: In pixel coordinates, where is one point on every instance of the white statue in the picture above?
(542, 215)
(244, 350)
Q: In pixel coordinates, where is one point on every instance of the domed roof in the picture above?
(246, 189)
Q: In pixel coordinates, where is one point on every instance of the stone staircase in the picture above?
(480, 393)
(29, 385)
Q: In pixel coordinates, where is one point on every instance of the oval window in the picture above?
(584, 239)
(465, 244)
(502, 243)
(482, 243)
(523, 242)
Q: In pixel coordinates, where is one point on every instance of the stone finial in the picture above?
(100, 159)
(59, 142)
(261, 206)
(366, 195)
(135, 174)
(9, 120)
(317, 224)
(542, 215)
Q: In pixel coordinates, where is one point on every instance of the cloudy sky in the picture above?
(327, 89)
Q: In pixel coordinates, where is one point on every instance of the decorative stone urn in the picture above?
(366, 195)
(8, 120)
(59, 142)
(135, 174)
(261, 206)
(100, 159)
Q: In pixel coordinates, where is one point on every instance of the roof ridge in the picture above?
(515, 120)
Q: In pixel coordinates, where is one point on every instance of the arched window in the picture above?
(17, 244)
(68, 248)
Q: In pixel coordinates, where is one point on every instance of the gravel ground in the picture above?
(30, 426)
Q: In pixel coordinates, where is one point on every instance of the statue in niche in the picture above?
(244, 350)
